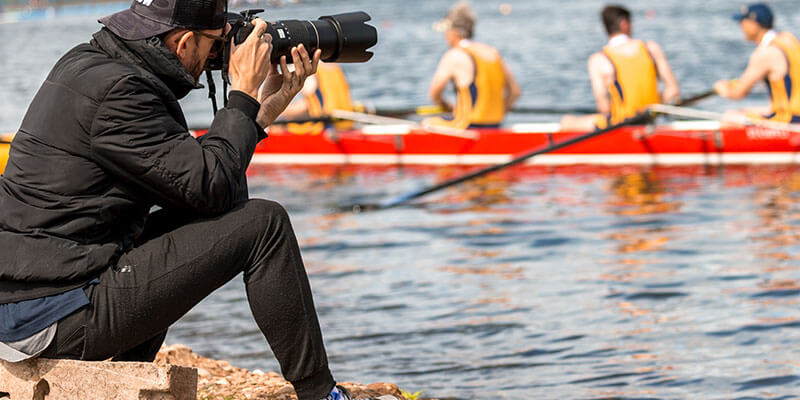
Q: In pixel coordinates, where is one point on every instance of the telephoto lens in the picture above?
(343, 38)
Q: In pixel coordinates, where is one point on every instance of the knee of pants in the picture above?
(270, 214)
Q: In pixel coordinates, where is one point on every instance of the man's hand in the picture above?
(249, 63)
(281, 86)
(723, 87)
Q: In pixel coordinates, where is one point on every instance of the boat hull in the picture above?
(680, 143)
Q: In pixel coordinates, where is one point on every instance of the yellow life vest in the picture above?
(333, 93)
(785, 93)
(635, 84)
(4, 150)
(482, 103)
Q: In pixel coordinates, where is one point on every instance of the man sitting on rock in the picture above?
(89, 268)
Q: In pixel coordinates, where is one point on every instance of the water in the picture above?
(571, 282)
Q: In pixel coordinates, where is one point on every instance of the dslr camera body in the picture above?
(342, 38)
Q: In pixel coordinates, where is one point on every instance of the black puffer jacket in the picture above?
(102, 142)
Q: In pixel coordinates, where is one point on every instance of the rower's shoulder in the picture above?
(599, 57)
(653, 47)
(456, 55)
(766, 54)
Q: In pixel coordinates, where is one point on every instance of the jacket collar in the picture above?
(152, 55)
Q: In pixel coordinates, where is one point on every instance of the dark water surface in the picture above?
(575, 282)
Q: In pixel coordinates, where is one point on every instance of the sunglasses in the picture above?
(217, 46)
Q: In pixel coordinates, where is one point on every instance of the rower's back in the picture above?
(633, 85)
(784, 91)
(480, 83)
(487, 91)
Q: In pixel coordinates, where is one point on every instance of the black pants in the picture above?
(176, 265)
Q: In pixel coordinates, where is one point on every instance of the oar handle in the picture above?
(694, 99)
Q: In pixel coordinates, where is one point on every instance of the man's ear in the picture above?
(177, 41)
(183, 42)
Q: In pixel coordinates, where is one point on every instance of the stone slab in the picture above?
(45, 379)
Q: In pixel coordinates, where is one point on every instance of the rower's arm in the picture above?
(513, 92)
(600, 72)
(672, 91)
(443, 75)
(757, 69)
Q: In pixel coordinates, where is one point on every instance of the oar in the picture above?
(4, 142)
(303, 120)
(376, 119)
(553, 110)
(722, 117)
(695, 98)
(394, 202)
(400, 112)
(640, 118)
(434, 109)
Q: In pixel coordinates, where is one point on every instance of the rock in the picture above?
(243, 384)
(39, 379)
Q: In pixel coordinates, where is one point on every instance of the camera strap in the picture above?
(212, 90)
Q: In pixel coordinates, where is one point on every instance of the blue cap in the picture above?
(758, 12)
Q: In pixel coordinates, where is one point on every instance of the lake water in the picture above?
(569, 282)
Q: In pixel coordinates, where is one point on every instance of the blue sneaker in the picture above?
(341, 393)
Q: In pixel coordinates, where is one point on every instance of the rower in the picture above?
(322, 93)
(485, 87)
(776, 61)
(624, 76)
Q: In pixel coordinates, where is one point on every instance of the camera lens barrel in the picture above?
(312, 34)
(353, 35)
(343, 38)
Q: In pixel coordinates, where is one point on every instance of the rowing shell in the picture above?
(678, 143)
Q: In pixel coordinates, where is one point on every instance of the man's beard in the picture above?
(196, 68)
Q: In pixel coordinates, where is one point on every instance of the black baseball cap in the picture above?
(147, 18)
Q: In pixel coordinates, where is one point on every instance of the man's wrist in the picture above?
(244, 103)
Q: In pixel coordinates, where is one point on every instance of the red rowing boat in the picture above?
(678, 143)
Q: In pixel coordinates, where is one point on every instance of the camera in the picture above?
(343, 38)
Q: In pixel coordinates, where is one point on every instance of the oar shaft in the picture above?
(712, 115)
(553, 110)
(434, 109)
(638, 119)
(303, 120)
(377, 119)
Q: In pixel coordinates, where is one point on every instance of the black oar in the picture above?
(304, 120)
(693, 99)
(553, 110)
(433, 109)
(641, 118)
(394, 202)
(4, 142)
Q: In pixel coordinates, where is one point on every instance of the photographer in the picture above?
(88, 271)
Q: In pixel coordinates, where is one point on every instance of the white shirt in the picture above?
(618, 39)
(768, 38)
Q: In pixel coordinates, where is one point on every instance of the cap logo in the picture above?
(145, 2)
